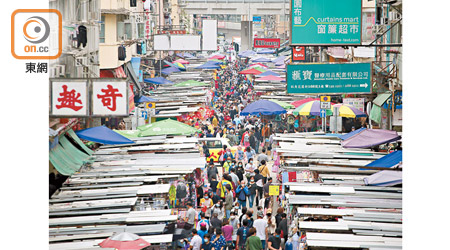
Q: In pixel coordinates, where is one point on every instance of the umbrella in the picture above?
(310, 108)
(169, 70)
(281, 66)
(170, 64)
(268, 73)
(208, 66)
(263, 107)
(278, 59)
(349, 111)
(167, 127)
(250, 72)
(271, 78)
(146, 99)
(384, 178)
(129, 133)
(182, 61)
(157, 80)
(371, 137)
(246, 53)
(257, 64)
(180, 66)
(259, 68)
(191, 83)
(103, 135)
(261, 59)
(124, 241)
(285, 105)
(300, 102)
(219, 56)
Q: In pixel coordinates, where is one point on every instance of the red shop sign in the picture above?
(266, 42)
(298, 53)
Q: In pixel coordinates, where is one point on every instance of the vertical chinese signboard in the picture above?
(69, 98)
(332, 78)
(109, 97)
(326, 22)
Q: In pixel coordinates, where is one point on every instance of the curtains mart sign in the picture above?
(86, 98)
(326, 22)
(332, 78)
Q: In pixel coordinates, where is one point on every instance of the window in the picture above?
(140, 30)
(102, 30)
(124, 30)
(132, 3)
(214, 144)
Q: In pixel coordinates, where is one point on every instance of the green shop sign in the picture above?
(331, 78)
(325, 22)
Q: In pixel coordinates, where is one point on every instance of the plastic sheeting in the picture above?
(263, 107)
(371, 137)
(103, 135)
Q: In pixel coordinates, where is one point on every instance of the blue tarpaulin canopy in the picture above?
(266, 51)
(385, 178)
(158, 80)
(169, 70)
(208, 66)
(146, 99)
(268, 73)
(346, 136)
(103, 135)
(246, 53)
(388, 161)
(261, 59)
(263, 107)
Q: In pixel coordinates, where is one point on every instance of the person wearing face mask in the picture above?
(242, 192)
(240, 171)
(234, 223)
(250, 169)
(271, 222)
(207, 243)
(206, 203)
(252, 187)
(274, 242)
(227, 165)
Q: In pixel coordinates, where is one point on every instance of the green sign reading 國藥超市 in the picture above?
(325, 22)
(330, 78)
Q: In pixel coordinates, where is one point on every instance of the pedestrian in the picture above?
(280, 211)
(252, 187)
(240, 171)
(235, 224)
(259, 185)
(264, 170)
(234, 177)
(196, 241)
(206, 203)
(250, 169)
(207, 243)
(218, 240)
(261, 228)
(228, 201)
(190, 216)
(243, 216)
(267, 185)
(215, 221)
(283, 226)
(221, 189)
(202, 220)
(262, 156)
(242, 192)
(274, 242)
(250, 218)
(212, 171)
(253, 241)
(203, 231)
(241, 235)
(271, 223)
(227, 230)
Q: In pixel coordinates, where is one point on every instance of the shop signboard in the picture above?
(109, 97)
(69, 97)
(298, 53)
(266, 42)
(274, 190)
(256, 19)
(326, 22)
(355, 102)
(329, 78)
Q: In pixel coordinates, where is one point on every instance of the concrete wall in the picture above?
(114, 4)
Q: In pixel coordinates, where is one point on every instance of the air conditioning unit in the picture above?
(60, 70)
(395, 16)
(125, 37)
(139, 19)
(80, 61)
(166, 9)
(52, 72)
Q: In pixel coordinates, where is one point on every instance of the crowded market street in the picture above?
(261, 142)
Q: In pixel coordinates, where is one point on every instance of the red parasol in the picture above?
(250, 72)
(124, 241)
(300, 102)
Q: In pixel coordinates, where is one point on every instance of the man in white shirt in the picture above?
(261, 228)
(196, 241)
(190, 215)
